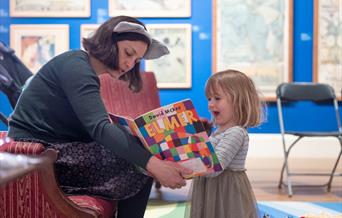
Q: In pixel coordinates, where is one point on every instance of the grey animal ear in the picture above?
(156, 49)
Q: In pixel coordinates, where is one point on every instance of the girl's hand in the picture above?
(207, 125)
(168, 173)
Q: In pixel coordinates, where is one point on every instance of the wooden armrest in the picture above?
(14, 167)
(60, 201)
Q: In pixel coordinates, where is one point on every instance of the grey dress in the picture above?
(227, 193)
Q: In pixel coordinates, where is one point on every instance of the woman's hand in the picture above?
(168, 173)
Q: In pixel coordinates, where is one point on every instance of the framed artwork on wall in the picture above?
(172, 70)
(327, 60)
(86, 31)
(37, 44)
(254, 37)
(50, 8)
(150, 8)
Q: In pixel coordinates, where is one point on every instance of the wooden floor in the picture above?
(264, 177)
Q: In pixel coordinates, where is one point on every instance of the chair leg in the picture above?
(281, 176)
(289, 182)
(335, 166)
(286, 166)
(284, 163)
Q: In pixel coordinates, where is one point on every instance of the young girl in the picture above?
(235, 105)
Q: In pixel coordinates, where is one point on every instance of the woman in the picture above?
(62, 108)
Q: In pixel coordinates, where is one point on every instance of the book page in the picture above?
(126, 122)
(196, 165)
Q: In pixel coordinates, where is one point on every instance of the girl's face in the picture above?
(221, 107)
(130, 53)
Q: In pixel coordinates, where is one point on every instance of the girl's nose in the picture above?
(210, 104)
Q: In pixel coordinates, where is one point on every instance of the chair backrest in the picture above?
(305, 91)
(120, 100)
(300, 91)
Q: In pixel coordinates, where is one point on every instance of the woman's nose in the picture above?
(130, 64)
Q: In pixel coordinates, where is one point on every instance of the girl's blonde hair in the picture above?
(247, 105)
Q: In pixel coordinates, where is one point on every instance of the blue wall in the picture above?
(201, 21)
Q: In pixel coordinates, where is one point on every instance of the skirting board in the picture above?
(270, 146)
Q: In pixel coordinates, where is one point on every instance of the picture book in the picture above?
(174, 132)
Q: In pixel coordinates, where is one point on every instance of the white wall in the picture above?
(270, 146)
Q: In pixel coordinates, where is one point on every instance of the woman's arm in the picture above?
(81, 87)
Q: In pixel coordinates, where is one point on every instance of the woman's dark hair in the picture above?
(103, 46)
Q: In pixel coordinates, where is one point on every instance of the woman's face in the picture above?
(130, 53)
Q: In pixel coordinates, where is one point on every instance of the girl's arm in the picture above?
(230, 142)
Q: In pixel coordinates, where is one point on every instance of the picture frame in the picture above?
(36, 44)
(150, 8)
(50, 8)
(254, 37)
(173, 70)
(327, 52)
(86, 31)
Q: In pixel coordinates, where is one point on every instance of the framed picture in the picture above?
(50, 8)
(254, 37)
(37, 44)
(172, 70)
(327, 60)
(150, 8)
(86, 31)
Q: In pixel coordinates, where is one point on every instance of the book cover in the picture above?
(174, 132)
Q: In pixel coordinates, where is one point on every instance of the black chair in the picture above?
(13, 75)
(288, 93)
